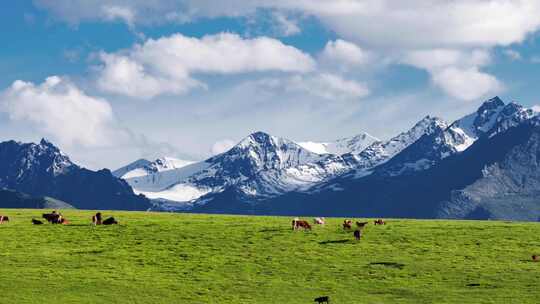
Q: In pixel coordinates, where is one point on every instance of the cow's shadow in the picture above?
(388, 264)
(335, 241)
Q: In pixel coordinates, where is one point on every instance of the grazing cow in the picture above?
(110, 221)
(357, 234)
(37, 222)
(52, 217)
(96, 219)
(347, 224)
(361, 225)
(3, 219)
(379, 222)
(301, 224)
(319, 221)
(294, 223)
(535, 258)
(55, 218)
(320, 300)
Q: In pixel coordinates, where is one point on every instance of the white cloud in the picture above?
(123, 13)
(221, 146)
(446, 29)
(168, 65)
(324, 85)
(456, 72)
(466, 84)
(344, 52)
(58, 108)
(432, 59)
(125, 76)
(285, 25)
(512, 54)
(410, 24)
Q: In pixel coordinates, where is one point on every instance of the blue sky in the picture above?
(110, 81)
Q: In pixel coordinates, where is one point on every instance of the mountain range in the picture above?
(360, 176)
(481, 166)
(42, 170)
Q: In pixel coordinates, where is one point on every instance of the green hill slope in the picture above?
(182, 258)
(15, 199)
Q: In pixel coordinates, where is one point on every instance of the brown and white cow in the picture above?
(96, 219)
(297, 224)
(3, 219)
(347, 224)
(379, 222)
(319, 221)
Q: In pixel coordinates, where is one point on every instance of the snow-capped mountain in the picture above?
(381, 151)
(143, 167)
(497, 177)
(262, 166)
(43, 170)
(256, 158)
(353, 145)
(492, 117)
(140, 163)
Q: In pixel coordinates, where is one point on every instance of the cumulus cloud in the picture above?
(344, 52)
(383, 27)
(126, 76)
(391, 23)
(58, 108)
(221, 146)
(456, 72)
(168, 65)
(285, 26)
(466, 84)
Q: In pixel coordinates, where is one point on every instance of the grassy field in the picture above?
(179, 258)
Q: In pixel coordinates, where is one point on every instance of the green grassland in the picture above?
(183, 258)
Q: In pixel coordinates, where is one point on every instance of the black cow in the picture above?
(357, 234)
(110, 221)
(324, 299)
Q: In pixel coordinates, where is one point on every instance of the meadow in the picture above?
(189, 258)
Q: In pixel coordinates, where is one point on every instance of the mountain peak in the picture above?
(260, 136)
(490, 104)
(428, 124)
(45, 143)
(261, 139)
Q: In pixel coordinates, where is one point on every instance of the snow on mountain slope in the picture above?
(380, 152)
(492, 117)
(262, 165)
(342, 146)
(156, 181)
(140, 163)
(252, 165)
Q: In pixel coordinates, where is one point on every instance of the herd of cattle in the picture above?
(57, 218)
(347, 225)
